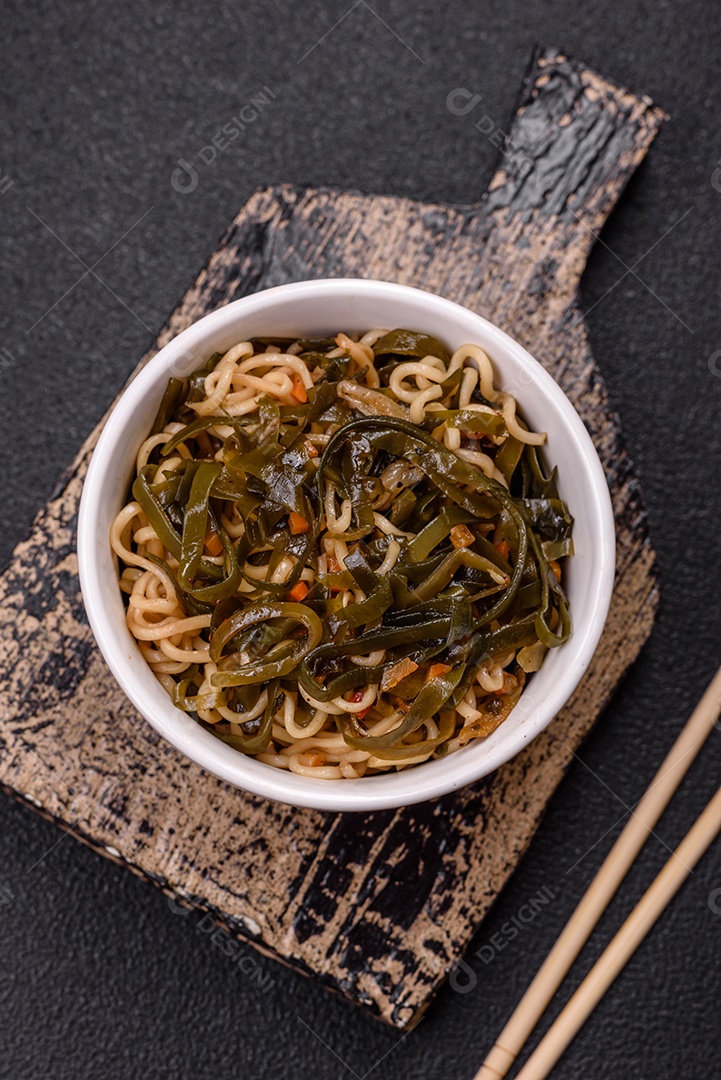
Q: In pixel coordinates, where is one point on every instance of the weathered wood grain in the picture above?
(377, 907)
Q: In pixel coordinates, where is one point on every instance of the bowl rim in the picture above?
(389, 790)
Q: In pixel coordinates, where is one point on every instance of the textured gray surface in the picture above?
(99, 977)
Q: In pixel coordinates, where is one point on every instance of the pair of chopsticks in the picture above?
(596, 900)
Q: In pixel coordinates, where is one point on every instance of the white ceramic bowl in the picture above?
(319, 307)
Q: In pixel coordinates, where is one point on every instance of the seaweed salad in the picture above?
(344, 555)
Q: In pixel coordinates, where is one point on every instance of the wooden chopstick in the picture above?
(625, 943)
(599, 893)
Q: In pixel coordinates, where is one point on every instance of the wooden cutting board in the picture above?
(377, 907)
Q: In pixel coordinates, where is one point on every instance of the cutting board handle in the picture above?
(575, 140)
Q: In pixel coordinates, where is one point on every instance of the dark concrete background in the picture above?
(98, 976)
